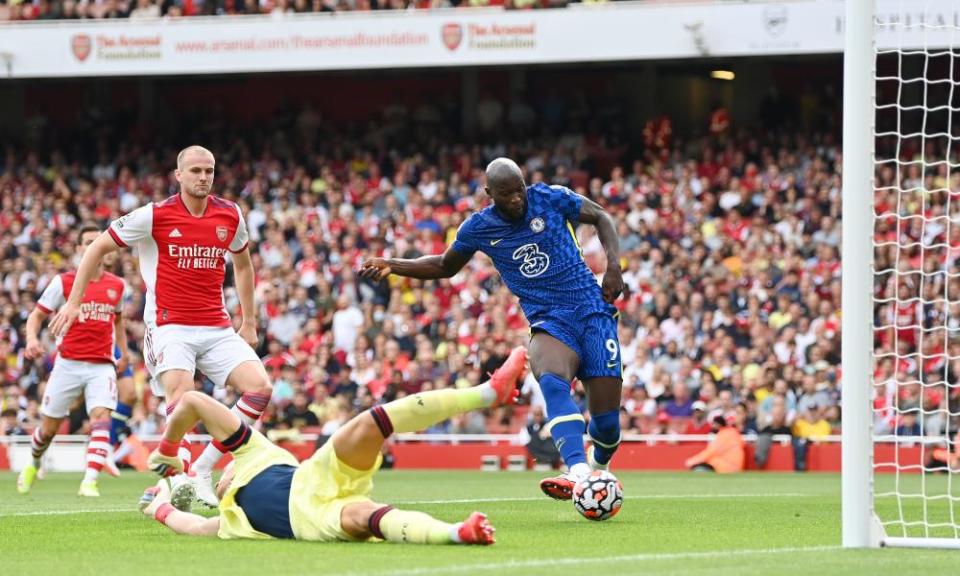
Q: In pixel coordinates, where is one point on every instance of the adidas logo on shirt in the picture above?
(175, 233)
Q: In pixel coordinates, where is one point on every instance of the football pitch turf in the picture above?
(670, 524)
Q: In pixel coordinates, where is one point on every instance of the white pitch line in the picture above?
(600, 560)
(454, 501)
(630, 497)
(69, 512)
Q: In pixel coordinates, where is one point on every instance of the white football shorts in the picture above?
(214, 351)
(97, 381)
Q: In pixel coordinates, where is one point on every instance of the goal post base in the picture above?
(877, 532)
(940, 543)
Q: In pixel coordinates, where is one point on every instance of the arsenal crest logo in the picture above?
(452, 35)
(775, 20)
(81, 44)
(111, 294)
(222, 233)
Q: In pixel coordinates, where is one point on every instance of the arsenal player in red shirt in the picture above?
(182, 243)
(84, 364)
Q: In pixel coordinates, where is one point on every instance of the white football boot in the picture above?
(203, 489)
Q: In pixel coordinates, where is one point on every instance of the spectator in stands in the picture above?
(744, 419)
(680, 404)
(8, 423)
(531, 393)
(146, 419)
(943, 458)
(333, 423)
(285, 387)
(347, 321)
(298, 413)
(723, 455)
(698, 424)
(727, 233)
(809, 426)
(909, 425)
(540, 445)
(145, 9)
(777, 423)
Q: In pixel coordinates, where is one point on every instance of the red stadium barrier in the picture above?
(662, 455)
(823, 457)
(631, 456)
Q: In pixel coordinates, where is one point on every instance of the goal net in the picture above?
(914, 375)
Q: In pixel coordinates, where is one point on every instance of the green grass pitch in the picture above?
(670, 524)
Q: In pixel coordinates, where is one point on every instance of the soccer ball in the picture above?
(598, 496)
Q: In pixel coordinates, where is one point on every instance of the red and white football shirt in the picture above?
(183, 258)
(90, 338)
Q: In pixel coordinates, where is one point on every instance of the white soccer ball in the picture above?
(598, 496)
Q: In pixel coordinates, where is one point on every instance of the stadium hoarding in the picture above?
(438, 38)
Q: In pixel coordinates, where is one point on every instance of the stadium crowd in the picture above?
(145, 9)
(730, 257)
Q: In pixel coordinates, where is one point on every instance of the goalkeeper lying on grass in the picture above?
(267, 494)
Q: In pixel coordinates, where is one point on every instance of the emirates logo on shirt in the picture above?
(96, 311)
(197, 257)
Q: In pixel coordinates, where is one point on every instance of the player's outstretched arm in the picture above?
(192, 524)
(120, 337)
(243, 278)
(92, 257)
(155, 503)
(593, 213)
(34, 321)
(424, 268)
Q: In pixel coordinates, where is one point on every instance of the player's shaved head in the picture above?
(503, 173)
(195, 171)
(194, 149)
(506, 188)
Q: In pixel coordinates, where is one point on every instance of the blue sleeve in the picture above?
(565, 201)
(465, 242)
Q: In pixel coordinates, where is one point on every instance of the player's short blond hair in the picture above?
(187, 150)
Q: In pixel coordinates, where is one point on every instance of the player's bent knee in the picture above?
(176, 383)
(355, 519)
(604, 393)
(99, 413)
(194, 399)
(250, 376)
(562, 374)
(50, 426)
(265, 387)
(357, 444)
(362, 431)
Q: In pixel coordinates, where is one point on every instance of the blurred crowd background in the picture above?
(146, 9)
(729, 232)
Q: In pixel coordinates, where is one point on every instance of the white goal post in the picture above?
(901, 274)
(856, 258)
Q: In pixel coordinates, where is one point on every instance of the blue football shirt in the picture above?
(538, 256)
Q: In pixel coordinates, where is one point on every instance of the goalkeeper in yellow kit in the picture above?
(267, 494)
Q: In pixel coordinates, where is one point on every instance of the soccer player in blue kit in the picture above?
(528, 233)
